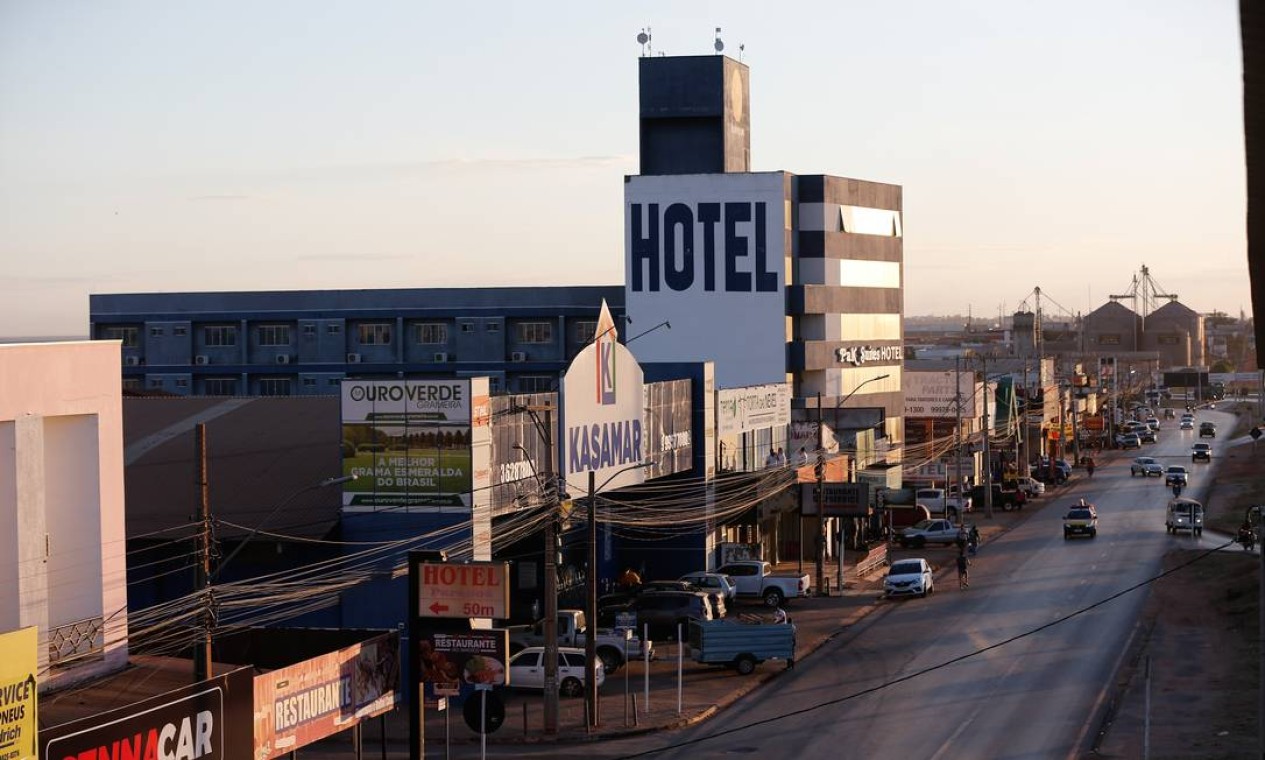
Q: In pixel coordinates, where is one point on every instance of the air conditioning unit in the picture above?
(283, 358)
(132, 361)
(518, 356)
(201, 359)
(441, 357)
(353, 358)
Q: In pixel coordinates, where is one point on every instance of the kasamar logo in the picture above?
(606, 339)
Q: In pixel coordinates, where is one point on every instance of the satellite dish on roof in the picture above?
(718, 44)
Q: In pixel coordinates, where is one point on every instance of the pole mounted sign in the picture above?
(469, 590)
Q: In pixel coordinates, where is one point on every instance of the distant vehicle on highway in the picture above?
(909, 577)
(1184, 514)
(1129, 441)
(1201, 452)
(1080, 521)
(1175, 474)
(1207, 430)
(1146, 467)
(1187, 425)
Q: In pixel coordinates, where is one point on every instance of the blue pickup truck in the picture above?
(740, 645)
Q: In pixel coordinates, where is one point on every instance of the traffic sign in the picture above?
(467, 590)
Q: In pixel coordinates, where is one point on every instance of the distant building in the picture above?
(304, 342)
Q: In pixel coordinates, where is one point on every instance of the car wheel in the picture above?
(744, 664)
(611, 659)
(1093, 534)
(919, 542)
(571, 687)
(773, 598)
(1066, 535)
(1007, 507)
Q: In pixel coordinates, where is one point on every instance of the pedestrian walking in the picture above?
(964, 579)
(961, 539)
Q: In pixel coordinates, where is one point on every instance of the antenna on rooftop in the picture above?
(741, 48)
(646, 40)
(718, 44)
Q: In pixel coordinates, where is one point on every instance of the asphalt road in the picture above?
(984, 672)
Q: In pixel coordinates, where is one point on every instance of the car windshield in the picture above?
(906, 568)
(1175, 470)
(922, 525)
(1079, 514)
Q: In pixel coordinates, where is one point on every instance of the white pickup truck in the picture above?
(941, 502)
(572, 632)
(754, 578)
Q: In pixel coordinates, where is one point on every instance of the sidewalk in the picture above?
(704, 690)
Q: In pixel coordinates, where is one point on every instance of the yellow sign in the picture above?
(18, 665)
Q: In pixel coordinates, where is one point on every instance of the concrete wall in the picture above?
(62, 549)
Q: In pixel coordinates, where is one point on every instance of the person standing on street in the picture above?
(964, 579)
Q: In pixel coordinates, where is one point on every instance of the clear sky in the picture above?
(172, 145)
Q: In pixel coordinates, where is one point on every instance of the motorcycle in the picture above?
(1247, 537)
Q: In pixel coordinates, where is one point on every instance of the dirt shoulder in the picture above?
(1200, 635)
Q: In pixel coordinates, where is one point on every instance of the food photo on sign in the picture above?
(470, 657)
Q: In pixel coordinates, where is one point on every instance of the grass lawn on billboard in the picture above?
(408, 477)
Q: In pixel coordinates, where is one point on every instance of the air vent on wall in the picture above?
(353, 358)
(201, 360)
(441, 357)
(518, 356)
(283, 358)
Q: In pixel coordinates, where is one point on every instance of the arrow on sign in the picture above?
(437, 608)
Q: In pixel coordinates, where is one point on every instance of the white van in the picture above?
(1185, 514)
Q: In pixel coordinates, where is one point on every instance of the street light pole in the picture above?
(856, 452)
(553, 496)
(988, 466)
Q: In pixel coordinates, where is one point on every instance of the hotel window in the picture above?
(467, 327)
(125, 334)
(430, 334)
(535, 332)
(375, 334)
(155, 332)
(155, 382)
(494, 326)
(309, 330)
(180, 332)
(585, 330)
(221, 386)
(334, 329)
(274, 335)
(274, 386)
(219, 335)
(309, 382)
(182, 382)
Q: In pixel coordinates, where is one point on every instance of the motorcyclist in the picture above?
(1089, 467)
(1246, 536)
(972, 540)
(1177, 490)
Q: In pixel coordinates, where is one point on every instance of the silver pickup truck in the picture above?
(754, 578)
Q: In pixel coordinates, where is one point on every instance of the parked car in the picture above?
(1184, 514)
(1146, 466)
(1147, 435)
(1175, 474)
(1207, 430)
(1004, 498)
(941, 502)
(909, 577)
(754, 578)
(664, 610)
(1201, 452)
(526, 670)
(938, 531)
(713, 583)
(1031, 486)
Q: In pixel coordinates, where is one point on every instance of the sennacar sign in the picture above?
(603, 404)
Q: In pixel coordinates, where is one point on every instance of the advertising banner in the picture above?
(838, 499)
(603, 414)
(741, 410)
(707, 253)
(408, 442)
(210, 719)
(18, 666)
(472, 657)
(310, 700)
(933, 394)
(519, 449)
(669, 418)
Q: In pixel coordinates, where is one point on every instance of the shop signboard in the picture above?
(838, 499)
(476, 657)
(707, 253)
(409, 442)
(463, 590)
(209, 719)
(310, 700)
(603, 413)
(668, 425)
(522, 426)
(935, 394)
(741, 410)
(18, 668)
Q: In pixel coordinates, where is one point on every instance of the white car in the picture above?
(909, 577)
(1146, 467)
(1031, 486)
(1187, 425)
(527, 671)
(713, 583)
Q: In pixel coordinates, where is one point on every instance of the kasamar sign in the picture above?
(603, 403)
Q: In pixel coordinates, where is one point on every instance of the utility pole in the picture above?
(957, 397)
(202, 651)
(988, 466)
(552, 496)
(590, 641)
(820, 472)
